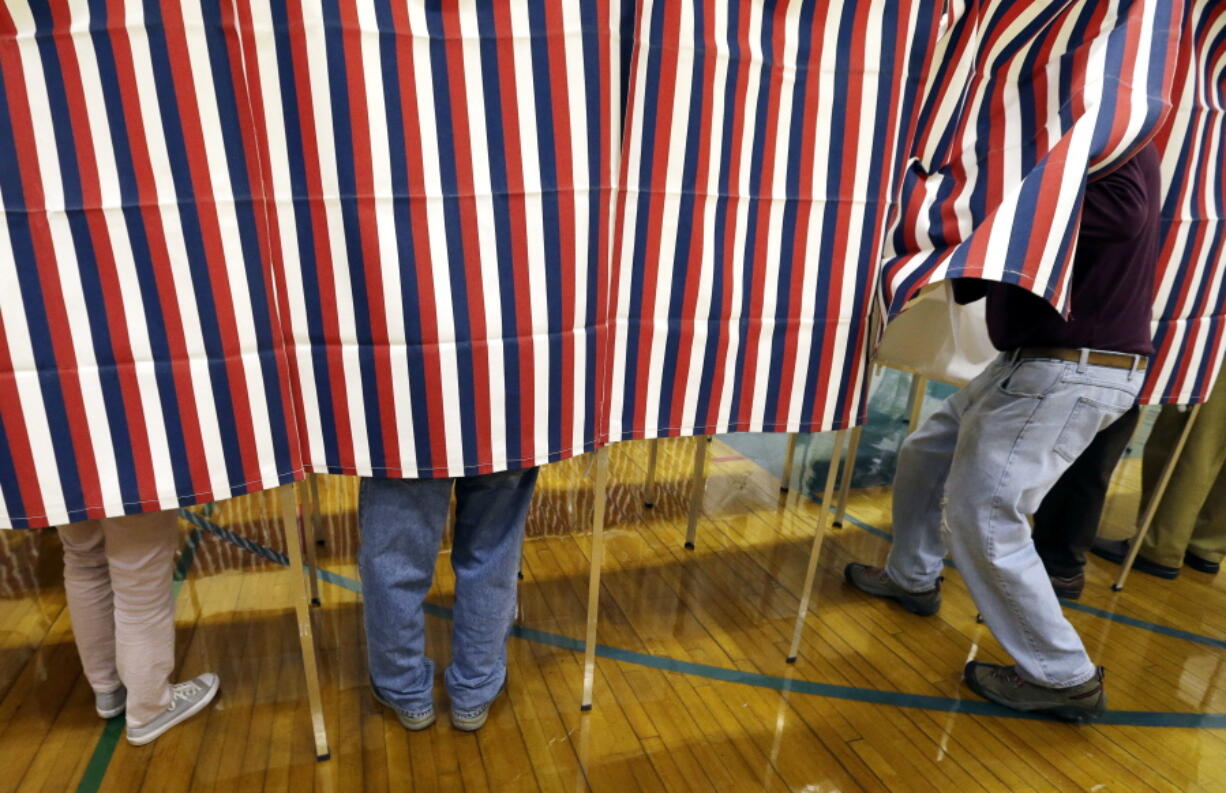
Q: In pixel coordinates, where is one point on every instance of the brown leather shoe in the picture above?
(875, 581)
(1004, 686)
(1069, 587)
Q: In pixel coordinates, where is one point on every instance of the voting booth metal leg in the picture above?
(819, 533)
(698, 489)
(310, 528)
(849, 467)
(789, 458)
(649, 487)
(1155, 499)
(306, 635)
(915, 401)
(313, 493)
(600, 497)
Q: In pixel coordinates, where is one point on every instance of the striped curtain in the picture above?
(243, 239)
(1024, 102)
(1190, 304)
(141, 360)
(763, 142)
(440, 188)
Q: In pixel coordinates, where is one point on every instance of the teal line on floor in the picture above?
(104, 750)
(1122, 619)
(1153, 627)
(1129, 718)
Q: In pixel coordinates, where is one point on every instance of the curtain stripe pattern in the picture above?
(247, 239)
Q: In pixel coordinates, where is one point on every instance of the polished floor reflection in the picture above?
(692, 691)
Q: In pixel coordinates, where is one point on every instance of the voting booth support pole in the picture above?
(599, 498)
(1155, 499)
(698, 489)
(919, 388)
(849, 468)
(788, 459)
(306, 635)
(312, 492)
(819, 533)
(311, 529)
(649, 487)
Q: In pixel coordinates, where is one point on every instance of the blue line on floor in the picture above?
(1153, 627)
(1129, 718)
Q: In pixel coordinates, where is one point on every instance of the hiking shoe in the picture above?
(186, 700)
(1004, 686)
(412, 720)
(112, 703)
(875, 581)
(1201, 564)
(1069, 587)
(473, 720)
(1117, 551)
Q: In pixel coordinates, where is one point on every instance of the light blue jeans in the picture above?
(402, 523)
(971, 475)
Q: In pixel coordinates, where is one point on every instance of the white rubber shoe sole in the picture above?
(118, 706)
(211, 684)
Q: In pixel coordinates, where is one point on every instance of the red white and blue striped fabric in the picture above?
(1190, 301)
(1025, 101)
(244, 238)
(141, 364)
(441, 183)
(760, 157)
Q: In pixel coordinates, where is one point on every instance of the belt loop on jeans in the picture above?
(1136, 363)
(1085, 360)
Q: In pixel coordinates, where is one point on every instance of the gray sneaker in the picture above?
(875, 581)
(111, 704)
(1004, 686)
(186, 700)
(413, 720)
(473, 720)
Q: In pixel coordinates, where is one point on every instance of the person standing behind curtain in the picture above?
(1067, 521)
(117, 580)
(971, 474)
(402, 523)
(1189, 527)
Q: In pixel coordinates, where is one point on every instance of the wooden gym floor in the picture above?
(692, 692)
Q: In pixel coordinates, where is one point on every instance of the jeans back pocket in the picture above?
(1087, 418)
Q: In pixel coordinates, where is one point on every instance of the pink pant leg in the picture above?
(140, 551)
(87, 586)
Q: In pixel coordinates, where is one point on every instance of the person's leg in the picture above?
(489, 533)
(140, 551)
(1016, 441)
(87, 586)
(1067, 521)
(918, 551)
(1194, 476)
(1209, 537)
(402, 523)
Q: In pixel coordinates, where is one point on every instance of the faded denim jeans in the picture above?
(402, 523)
(970, 476)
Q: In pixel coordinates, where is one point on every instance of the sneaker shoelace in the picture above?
(183, 692)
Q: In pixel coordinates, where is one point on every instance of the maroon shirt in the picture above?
(1113, 273)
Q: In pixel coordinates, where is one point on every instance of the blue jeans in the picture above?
(970, 476)
(402, 523)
